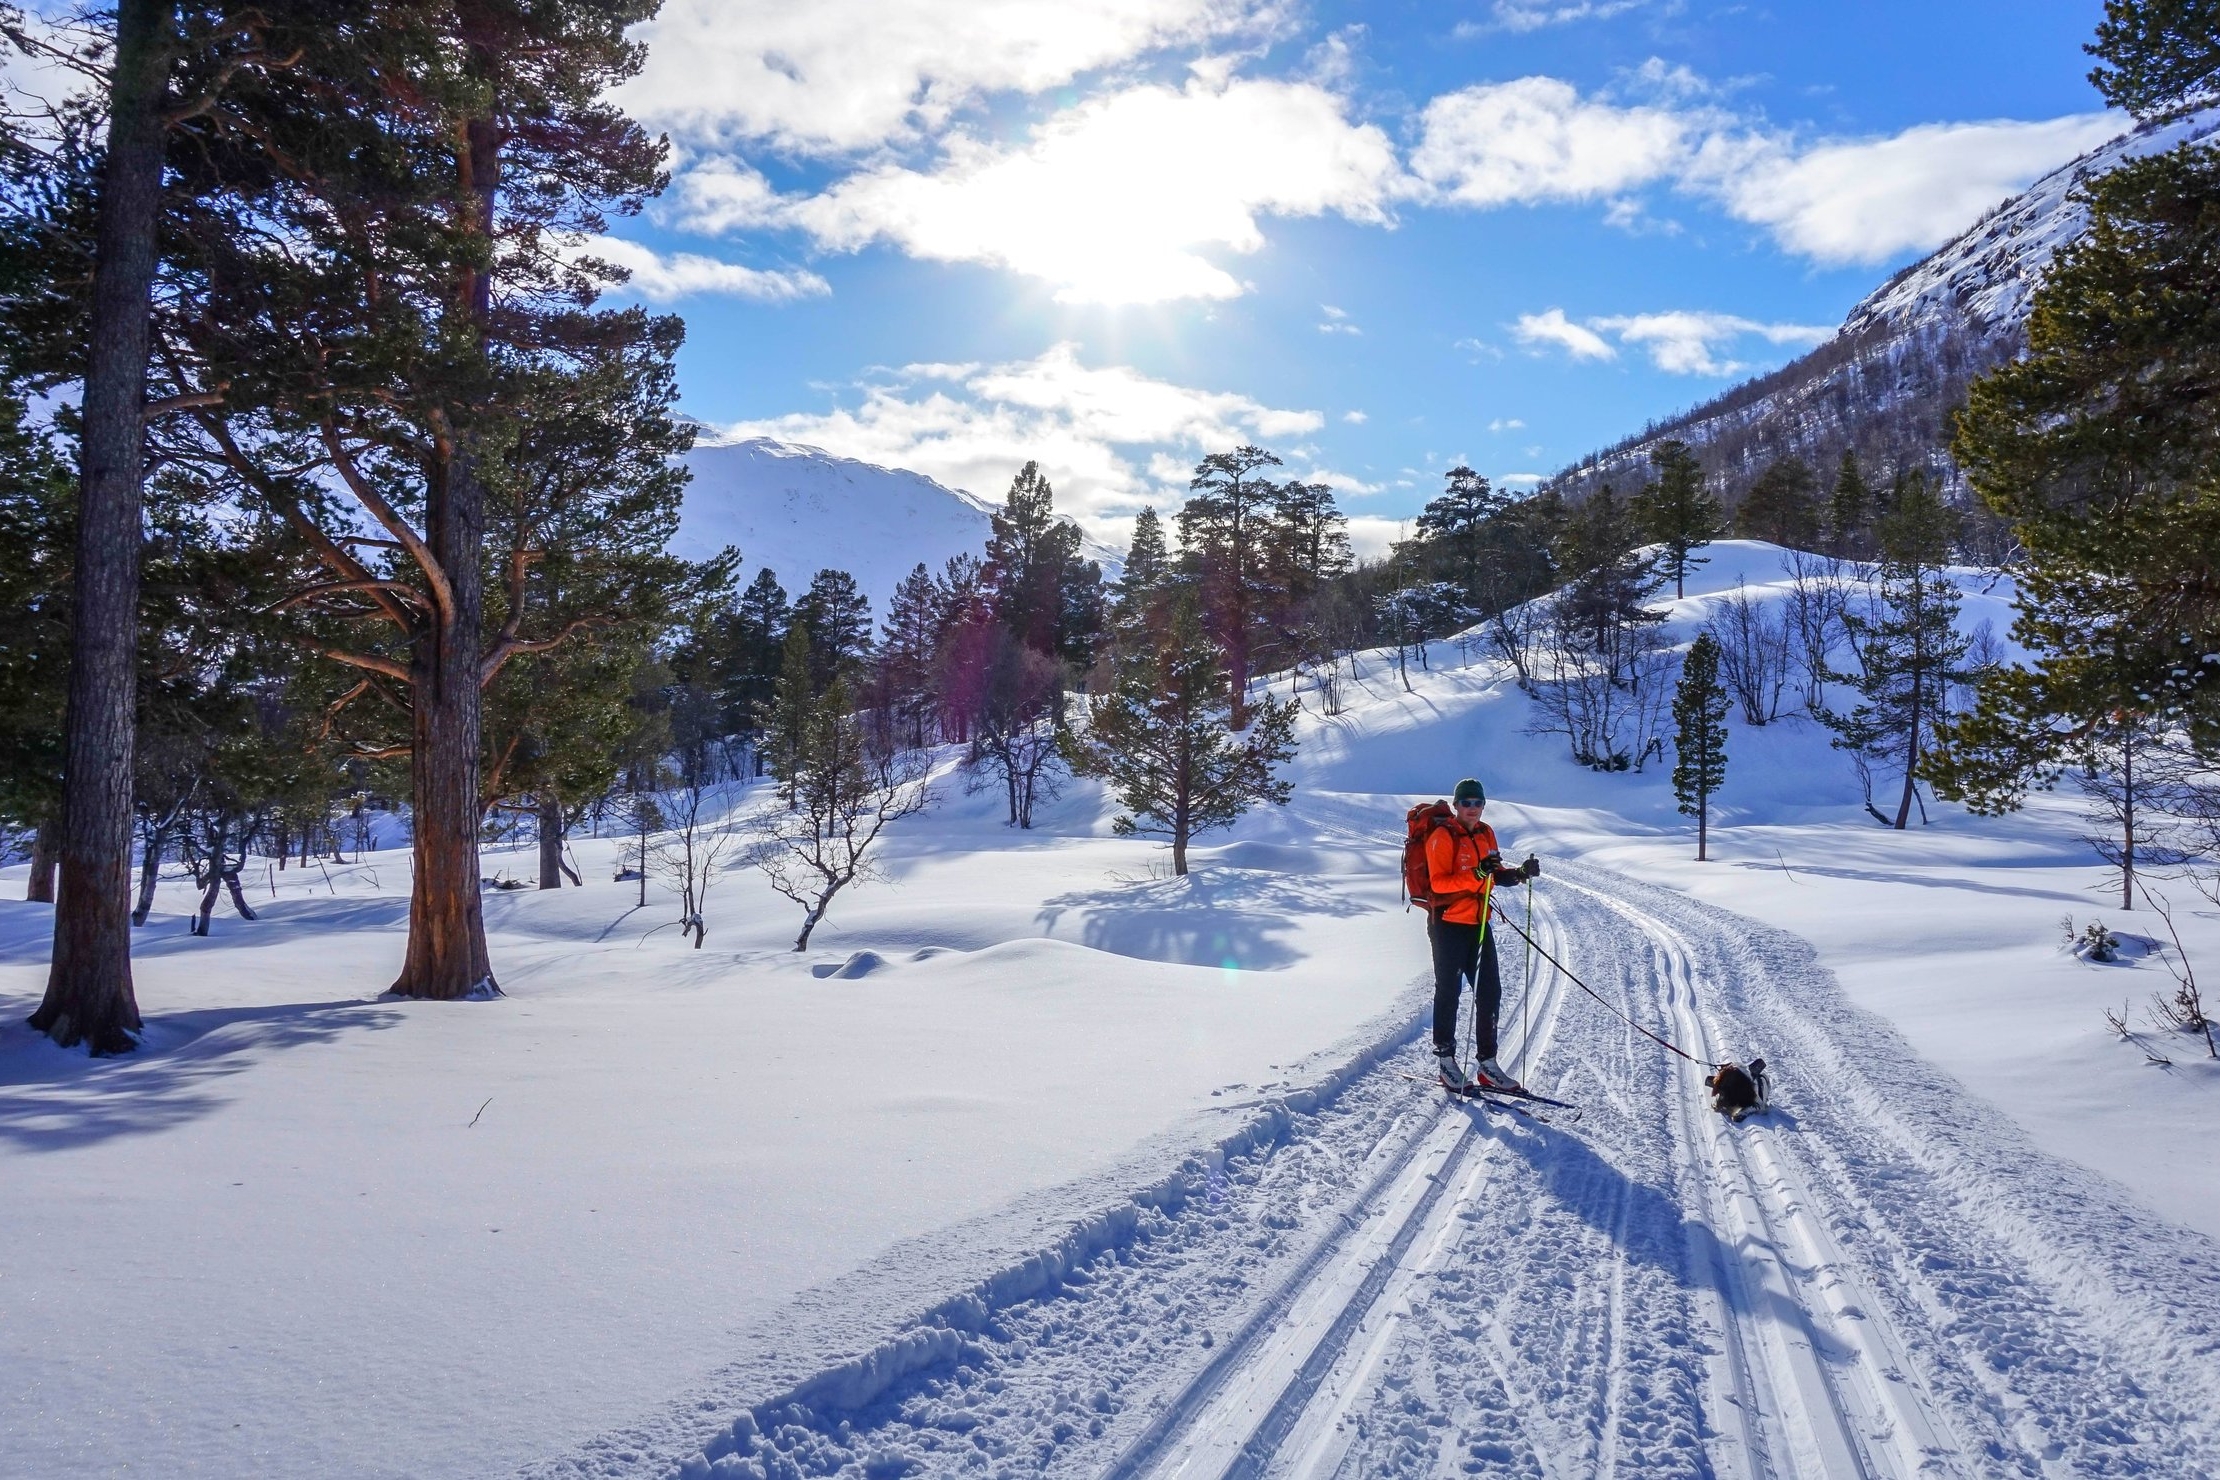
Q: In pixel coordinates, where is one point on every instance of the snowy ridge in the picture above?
(799, 509)
(1986, 275)
(1885, 384)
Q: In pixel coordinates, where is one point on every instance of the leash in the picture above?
(1591, 991)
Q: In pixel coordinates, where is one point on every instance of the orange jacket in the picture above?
(1453, 857)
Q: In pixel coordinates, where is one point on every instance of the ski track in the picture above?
(1878, 1278)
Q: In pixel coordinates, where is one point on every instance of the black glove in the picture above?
(1532, 868)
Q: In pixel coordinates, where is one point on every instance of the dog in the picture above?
(1736, 1091)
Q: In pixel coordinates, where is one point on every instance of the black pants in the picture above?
(1461, 952)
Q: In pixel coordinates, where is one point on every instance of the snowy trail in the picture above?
(1881, 1278)
(1277, 1389)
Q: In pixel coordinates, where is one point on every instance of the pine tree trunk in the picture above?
(1703, 825)
(89, 997)
(447, 957)
(239, 896)
(46, 858)
(1911, 759)
(150, 874)
(2127, 831)
(550, 825)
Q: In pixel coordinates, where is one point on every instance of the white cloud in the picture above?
(1508, 424)
(1355, 418)
(842, 75)
(1114, 200)
(1111, 439)
(660, 279)
(1552, 327)
(1521, 480)
(1680, 341)
(1524, 15)
(1863, 201)
(1536, 139)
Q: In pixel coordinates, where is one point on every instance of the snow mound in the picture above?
(860, 963)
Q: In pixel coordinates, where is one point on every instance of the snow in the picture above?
(1036, 1140)
(799, 509)
(1988, 272)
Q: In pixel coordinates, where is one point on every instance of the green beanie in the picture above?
(1468, 790)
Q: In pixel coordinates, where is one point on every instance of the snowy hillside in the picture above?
(1044, 1162)
(801, 509)
(1885, 385)
(1984, 277)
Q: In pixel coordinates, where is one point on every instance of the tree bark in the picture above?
(239, 896)
(150, 874)
(46, 857)
(549, 824)
(89, 997)
(447, 957)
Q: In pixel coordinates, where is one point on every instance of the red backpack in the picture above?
(1419, 824)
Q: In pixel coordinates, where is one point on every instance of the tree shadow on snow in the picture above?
(52, 1099)
(1878, 876)
(1241, 919)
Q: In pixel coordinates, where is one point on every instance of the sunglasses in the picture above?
(1474, 806)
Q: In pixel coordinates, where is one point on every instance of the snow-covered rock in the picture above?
(800, 509)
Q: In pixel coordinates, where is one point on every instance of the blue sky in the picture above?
(1381, 239)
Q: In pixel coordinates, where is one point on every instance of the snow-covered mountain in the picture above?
(801, 509)
(1886, 383)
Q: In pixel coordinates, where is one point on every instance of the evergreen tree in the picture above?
(1148, 572)
(1458, 522)
(909, 653)
(1909, 649)
(1849, 510)
(1163, 739)
(1608, 580)
(786, 721)
(387, 321)
(1700, 737)
(1782, 506)
(2157, 55)
(1225, 529)
(1678, 511)
(1040, 588)
(753, 641)
(837, 616)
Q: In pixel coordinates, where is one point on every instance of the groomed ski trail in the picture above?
(1880, 1278)
(1235, 1418)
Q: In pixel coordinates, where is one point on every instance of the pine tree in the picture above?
(786, 720)
(1148, 573)
(1678, 511)
(909, 653)
(1910, 651)
(1457, 522)
(1163, 739)
(1700, 737)
(1225, 528)
(753, 639)
(1040, 588)
(1782, 506)
(837, 616)
(1849, 509)
(386, 322)
(2157, 55)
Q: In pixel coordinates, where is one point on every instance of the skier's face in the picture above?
(1469, 811)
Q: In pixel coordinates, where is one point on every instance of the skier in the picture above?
(1464, 865)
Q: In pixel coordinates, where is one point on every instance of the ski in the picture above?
(1519, 1101)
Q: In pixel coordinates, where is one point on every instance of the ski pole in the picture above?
(1591, 991)
(1527, 990)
